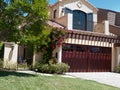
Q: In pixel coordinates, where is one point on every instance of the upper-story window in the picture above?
(90, 23)
(54, 14)
(79, 20)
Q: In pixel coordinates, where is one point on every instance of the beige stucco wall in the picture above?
(38, 56)
(118, 55)
(10, 55)
(58, 50)
(99, 27)
(102, 27)
(115, 57)
(54, 7)
(63, 20)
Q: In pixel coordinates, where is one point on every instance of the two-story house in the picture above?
(92, 43)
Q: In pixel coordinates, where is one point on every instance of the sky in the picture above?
(106, 4)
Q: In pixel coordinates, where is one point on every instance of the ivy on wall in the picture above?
(1, 50)
(54, 40)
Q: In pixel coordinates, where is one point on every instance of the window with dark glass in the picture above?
(54, 14)
(68, 47)
(90, 22)
(95, 50)
(79, 20)
(81, 48)
(67, 10)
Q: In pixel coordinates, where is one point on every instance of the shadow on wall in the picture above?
(8, 73)
(11, 54)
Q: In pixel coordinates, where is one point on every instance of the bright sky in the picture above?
(106, 4)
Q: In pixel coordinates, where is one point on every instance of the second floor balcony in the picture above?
(88, 26)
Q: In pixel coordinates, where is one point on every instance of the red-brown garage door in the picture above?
(83, 58)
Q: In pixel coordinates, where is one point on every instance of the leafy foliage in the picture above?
(54, 40)
(1, 63)
(117, 69)
(1, 50)
(23, 21)
(60, 68)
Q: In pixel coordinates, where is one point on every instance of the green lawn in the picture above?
(19, 81)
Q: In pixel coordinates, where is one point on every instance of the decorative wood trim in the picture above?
(92, 37)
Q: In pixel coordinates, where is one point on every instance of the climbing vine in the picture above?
(54, 40)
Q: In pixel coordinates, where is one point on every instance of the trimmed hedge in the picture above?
(60, 68)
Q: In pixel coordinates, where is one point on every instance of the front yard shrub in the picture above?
(53, 61)
(59, 68)
(22, 65)
(43, 68)
(52, 68)
(117, 69)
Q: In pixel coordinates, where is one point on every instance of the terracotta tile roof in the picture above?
(115, 30)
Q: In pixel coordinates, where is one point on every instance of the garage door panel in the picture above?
(83, 58)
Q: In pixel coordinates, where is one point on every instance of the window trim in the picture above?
(54, 14)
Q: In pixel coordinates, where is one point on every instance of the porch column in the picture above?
(70, 21)
(10, 55)
(114, 57)
(106, 22)
(118, 55)
(60, 54)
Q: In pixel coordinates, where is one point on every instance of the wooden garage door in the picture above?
(83, 58)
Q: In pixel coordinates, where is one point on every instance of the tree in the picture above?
(24, 22)
(21, 18)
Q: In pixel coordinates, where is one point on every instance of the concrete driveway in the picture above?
(108, 78)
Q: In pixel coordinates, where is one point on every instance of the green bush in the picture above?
(53, 61)
(41, 67)
(52, 68)
(22, 65)
(59, 68)
(117, 69)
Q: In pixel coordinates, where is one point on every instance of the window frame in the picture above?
(83, 26)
